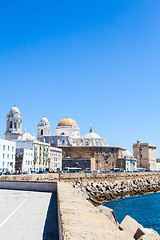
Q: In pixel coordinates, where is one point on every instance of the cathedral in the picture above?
(13, 124)
(67, 133)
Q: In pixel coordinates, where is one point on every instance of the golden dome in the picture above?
(67, 122)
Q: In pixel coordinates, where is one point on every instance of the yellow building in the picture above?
(41, 151)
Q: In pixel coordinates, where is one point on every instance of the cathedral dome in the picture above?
(14, 110)
(67, 122)
(91, 135)
(26, 137)
(127, 154)
(44, 122)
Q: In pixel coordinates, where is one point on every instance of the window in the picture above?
(86, 143)
(15, 125)
(26, 162)
(7, 156)
(8, 148)
(3, 147)
(12, 149)
(11, 163)
(12, 156)
(41, 132)
(11, 125)
(3, 155)
(3, 164)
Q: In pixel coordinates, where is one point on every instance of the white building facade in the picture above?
(55, 159)
(24, 159)
(130, 161)
(7, 156)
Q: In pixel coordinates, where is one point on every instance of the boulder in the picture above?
(130, 225)
(149, 234)
(137, 230)
(109, 213)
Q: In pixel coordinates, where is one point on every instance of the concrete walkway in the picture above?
(27, 215)
(81, 220)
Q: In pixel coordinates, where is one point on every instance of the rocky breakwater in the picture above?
(96, 192)
(79, 219)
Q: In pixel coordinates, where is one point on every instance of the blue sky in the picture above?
(94, 61)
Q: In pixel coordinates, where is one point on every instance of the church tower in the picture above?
(13, 124)
(44, 128)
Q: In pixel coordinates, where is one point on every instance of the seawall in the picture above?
(83, 177)
(80, 219)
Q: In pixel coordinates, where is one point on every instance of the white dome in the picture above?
(127, 154)
(44, 122)
(26, 137)
(91, 135)
(14, 110)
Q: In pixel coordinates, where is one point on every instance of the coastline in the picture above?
(97, 192)
(143, 208)
(80, 219)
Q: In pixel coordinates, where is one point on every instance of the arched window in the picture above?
(15, 125)
(11, 124)
(86, 143)
(62, 133)
(42, 132)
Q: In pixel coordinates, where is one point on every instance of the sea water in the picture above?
(145, 209)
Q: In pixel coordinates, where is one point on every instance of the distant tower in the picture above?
(13, 124)
(43, 128)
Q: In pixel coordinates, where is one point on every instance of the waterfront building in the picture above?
(41, 151)
(145, 153)
(13, 124)
(55, 161)
(7, 155)
(127, 162)
(67, 133)
(105, 158)
(158, 164)
(24, 160)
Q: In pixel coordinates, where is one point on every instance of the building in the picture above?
(145, 153)
(67, 133)
(13, 124)
(105, 158)
(7, 155)
(24, 160)
(41, 151)
(127, 162)
(158, 164)
(55, 163)
(87, 164)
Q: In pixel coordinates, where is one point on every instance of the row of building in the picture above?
(66, 148)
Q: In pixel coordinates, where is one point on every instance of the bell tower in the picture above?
(13, 124)
(44, 128)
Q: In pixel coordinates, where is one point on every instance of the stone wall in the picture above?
(79, 219)
(96, 192)
(84, 177)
